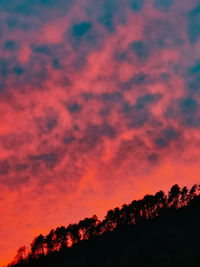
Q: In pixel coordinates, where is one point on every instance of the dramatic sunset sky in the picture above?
(99, 105)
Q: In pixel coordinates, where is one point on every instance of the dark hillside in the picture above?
(167, 235)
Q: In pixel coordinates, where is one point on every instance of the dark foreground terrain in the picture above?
(158, 230)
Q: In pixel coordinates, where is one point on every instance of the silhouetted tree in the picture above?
(184, 196)
(74, 234)
(22, 254)
(148, 206)
(126, 215)
(109, 224)
(99, 229)
(37, 246)
(137, 210)
(160, 202)
(50, 241)
(61, 236)
(193, 192)
(87, 227)
(173, 196)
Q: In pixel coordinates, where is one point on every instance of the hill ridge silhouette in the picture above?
(62, 245)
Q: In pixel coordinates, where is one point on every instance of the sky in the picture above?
(99, 105)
